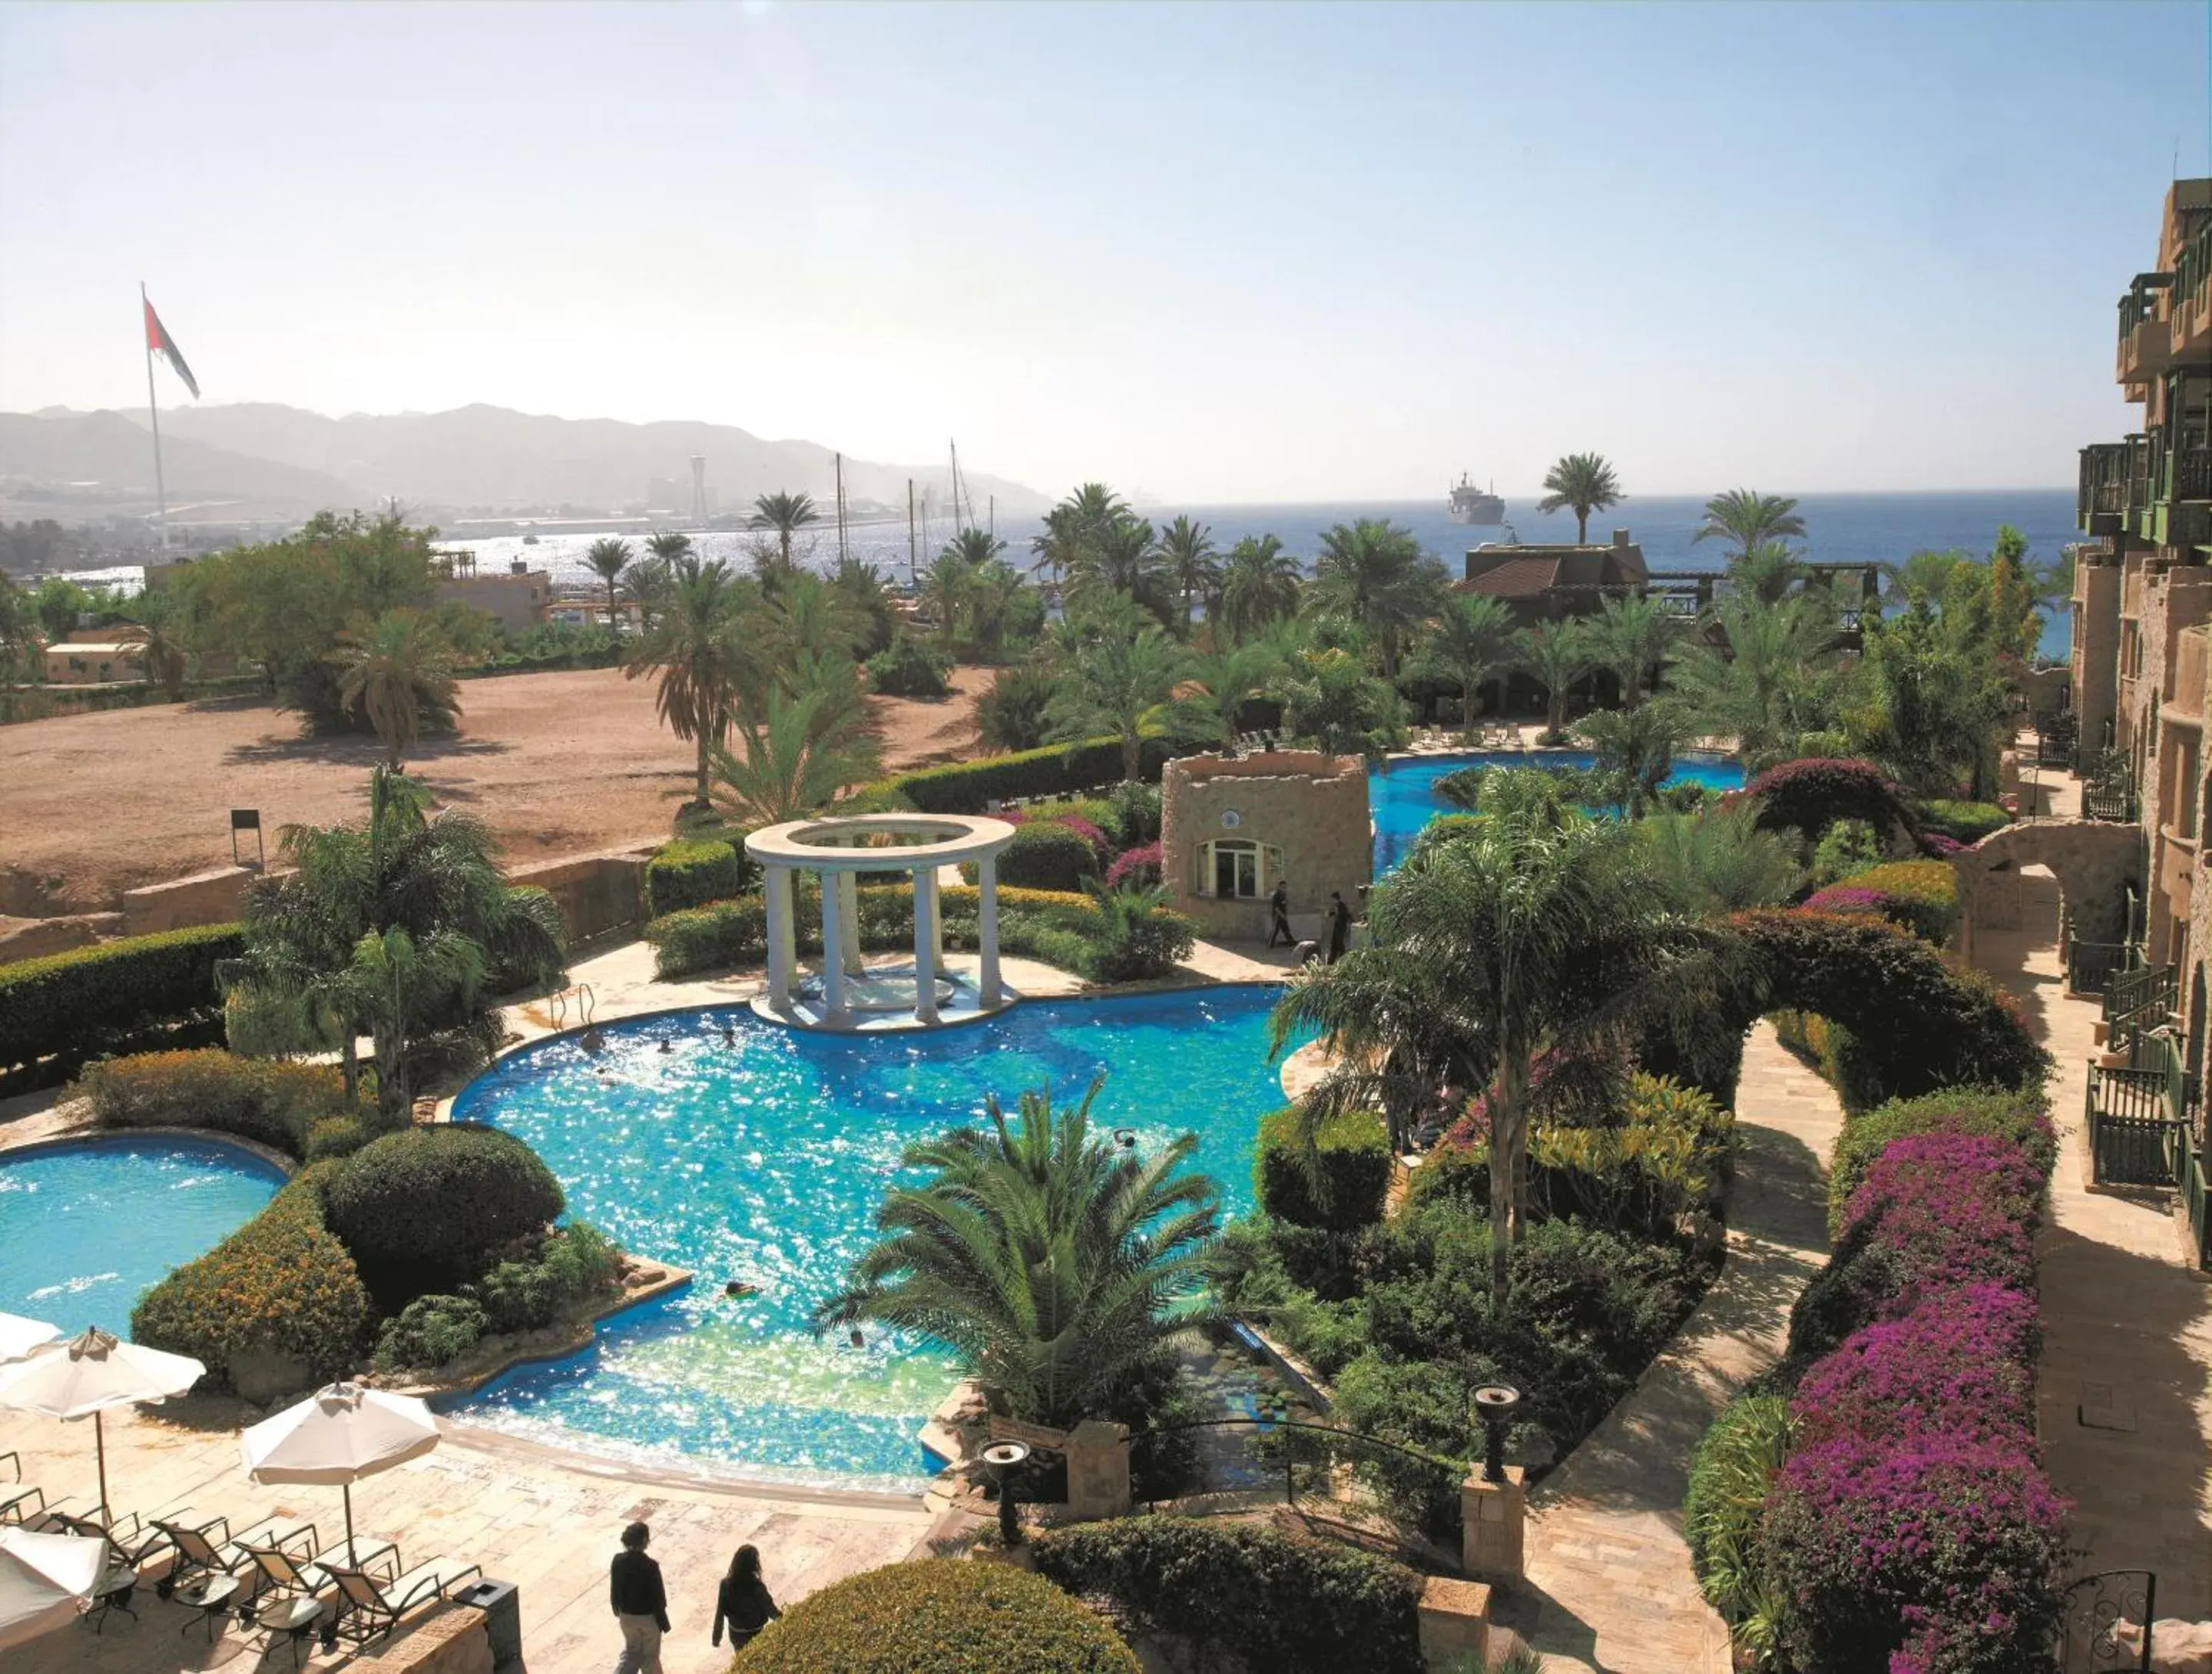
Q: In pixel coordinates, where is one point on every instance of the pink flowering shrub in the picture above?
(1945, 1546)
(1953, 1208)
(1848, 897)
(1958, 1361)
(1937, 846)
(1133, 867)
(1810, 794)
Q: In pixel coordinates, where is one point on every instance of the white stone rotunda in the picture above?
(840, 848)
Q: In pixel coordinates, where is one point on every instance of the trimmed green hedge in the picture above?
(120, 996)
(975, 786)
(938, 1616)
(1286, 1603)
(690, 872)
(427, 1208)
(1962, 822)
(279, 1103)
(1339, 1181)
(2021, 1115)
(282, 1284)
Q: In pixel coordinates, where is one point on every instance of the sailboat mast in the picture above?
(841, 509)
(912, 567)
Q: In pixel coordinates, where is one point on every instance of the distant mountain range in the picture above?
(269, 455)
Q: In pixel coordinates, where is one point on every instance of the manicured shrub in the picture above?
(1139, 867)
(430, 1207)
(135, 995)
(938, 1616)
(1246, 1594)
(708, 938)
(576, 1265)
(1731, 1475)
(1945, 1547)
(1964, 823)
(1808, 795)
(976, 787)
(339, 1136)
(1922, 1020)
(1923, 896)
(2020, 1117)
(1339, 1180)
(908, 667)
(1049, 855)
(430, 1331)
(690, 872)
(272, 1101)
(281, 1284)
(1134, 815)
(1961, 1359)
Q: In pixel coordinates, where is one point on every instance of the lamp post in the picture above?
(1495, 1404)
(1002, 1456)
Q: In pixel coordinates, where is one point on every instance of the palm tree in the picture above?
(1775, 675)
(1217, 684)
(1583, 483)
(1259, 585)
(397, 927)
(783, 513)
(1530, 932)
(1470, 639)
(944, 587)
(607, 557)
(396, 674)
(647, 579)
(1636, 749)
(1630, 636)
(1767, 571)
(1057, 1267)
(1055, 545)
(1120, 556)
(1331, 702)
(1375, 573)
(1718, 860)
(705, 650)
(1558, 655)
(1188, 556)
(802, 751)
(1123, 671)
(1750, 518)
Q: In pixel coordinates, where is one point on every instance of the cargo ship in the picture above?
(1468, 504)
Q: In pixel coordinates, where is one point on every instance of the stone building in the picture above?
(1232, 826)
(2142, 600)
(1546, 583)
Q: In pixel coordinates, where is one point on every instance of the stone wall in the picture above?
(205, 898)
(2092, 860)
(596, 893)
(1311, 806)
(450, 1639)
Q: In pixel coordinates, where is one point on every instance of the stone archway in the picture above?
(2094, 861)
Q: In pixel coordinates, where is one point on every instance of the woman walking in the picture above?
(743, 1601)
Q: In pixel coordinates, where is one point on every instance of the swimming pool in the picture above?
(87, 1226)
(764, 1163)
(1401, 795)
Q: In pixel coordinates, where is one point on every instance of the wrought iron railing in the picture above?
(2091, 964)
(2193, 473)
(2108, 792)
(2140, 1000)
(2143, 1124)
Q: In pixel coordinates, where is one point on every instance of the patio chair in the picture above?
(370, 1607)
(210, 1549)
(19, 1501)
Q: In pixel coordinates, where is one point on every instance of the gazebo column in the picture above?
(925, 944)
(782, 944)
(986, 913)
(850, 918)
(835, 886)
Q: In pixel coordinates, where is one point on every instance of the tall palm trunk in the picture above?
(1132, 752)
(1581, 528)
(610, 604)
(1555, 707)
(1509, 1095)
(707, 740)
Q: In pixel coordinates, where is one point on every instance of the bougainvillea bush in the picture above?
(1960, 1361)
(1808, 795)
(1923, 896)
(1136, 868)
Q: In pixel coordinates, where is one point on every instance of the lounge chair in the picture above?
(210, 1549)
(19, 1500)
(371, 1607)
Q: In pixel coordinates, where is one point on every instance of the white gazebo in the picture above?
(839, 850)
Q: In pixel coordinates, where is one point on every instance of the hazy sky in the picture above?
(1238, 252)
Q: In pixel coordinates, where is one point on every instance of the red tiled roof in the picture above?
(1515, 578)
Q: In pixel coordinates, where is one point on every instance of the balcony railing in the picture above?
(2193, 473)
(2109, 791)
(2140, 1000)
(2101, 496)
(2091, 965)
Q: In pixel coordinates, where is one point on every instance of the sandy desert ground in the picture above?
(559, 763)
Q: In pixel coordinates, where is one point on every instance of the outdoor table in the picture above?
(211, 1595)
(112, 1592)
(295, 1618)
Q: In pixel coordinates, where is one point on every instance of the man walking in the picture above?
(1339, 926)
(640, 1604)
(1278, 903)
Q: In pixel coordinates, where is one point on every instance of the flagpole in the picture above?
(154, 413)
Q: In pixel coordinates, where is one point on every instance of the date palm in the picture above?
(1259, 587)
(704, 651)
(1775, 675)
(1122, 670)
(1531, 931)
(1191, 565)
(1631, 637)
(796, 757)
(607, 557)
(1636, 749)
(1470, 639)
(1056, 1266)
(1375, 573)
(1217, 684)
(396, 674)
(1558, 654)
(1581, 482)
(784, 513)
(1748, 519)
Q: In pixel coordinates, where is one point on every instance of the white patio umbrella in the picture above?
(19, 1336)
(43, 1579)
(89, 1374)
(340, 1433)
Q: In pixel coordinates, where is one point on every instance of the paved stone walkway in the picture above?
(2122, 1400)
(1610, 1583)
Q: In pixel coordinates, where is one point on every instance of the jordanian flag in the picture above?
(160, 343)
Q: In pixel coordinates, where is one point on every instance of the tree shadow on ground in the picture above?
(350, 750)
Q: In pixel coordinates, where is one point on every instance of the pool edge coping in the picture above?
(89, 1128)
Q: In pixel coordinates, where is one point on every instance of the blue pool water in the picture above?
(1401, 794)
(765, 1163)
(86, 1227)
